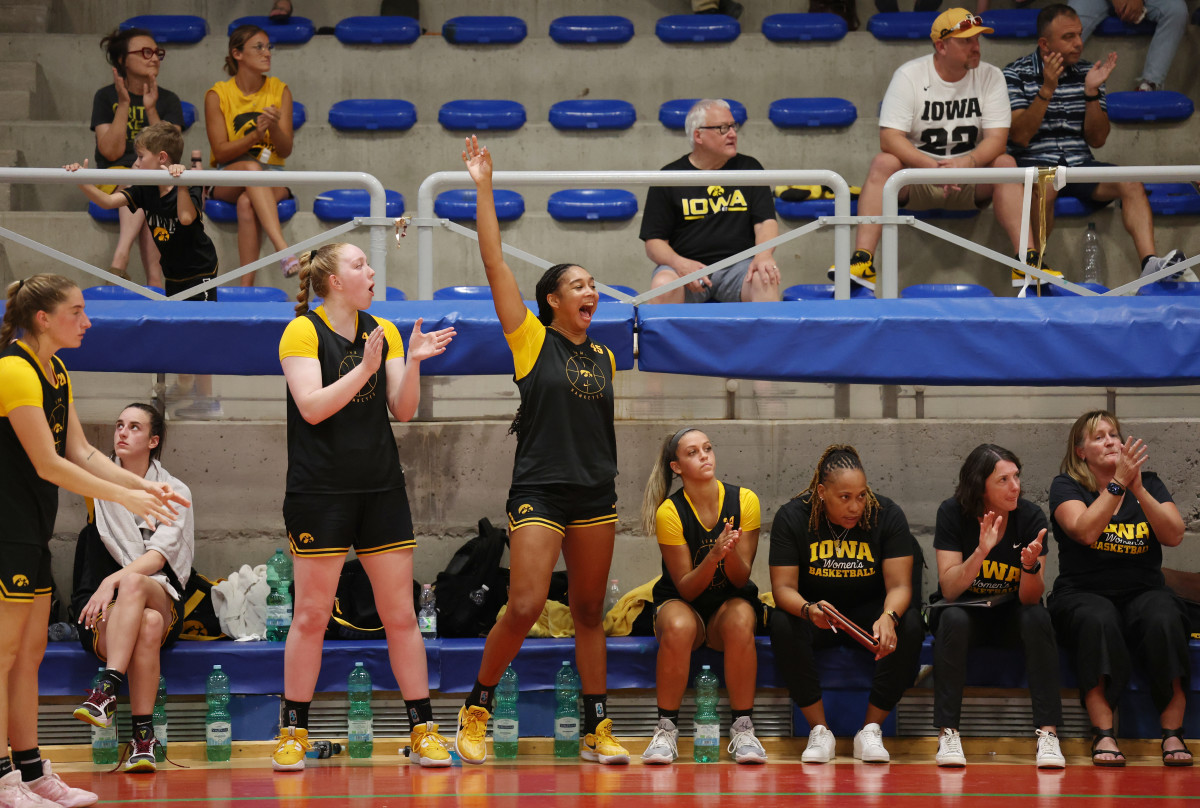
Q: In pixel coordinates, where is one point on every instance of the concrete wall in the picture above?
(459, 472)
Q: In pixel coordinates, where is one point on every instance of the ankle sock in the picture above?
(143, 727)
(6, 766)
(29, 761)
(736, 714)
(420, 711)
(295, 714)
(1146, 260)
(111, 681)
(595, 710)
(670, 715)
(481, 696)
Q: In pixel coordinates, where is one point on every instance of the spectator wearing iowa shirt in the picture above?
(989, 541)
(947, 109)
(839, 543)
(689, 227)
(1110, 603)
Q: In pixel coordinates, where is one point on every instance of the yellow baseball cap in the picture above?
(959, 23)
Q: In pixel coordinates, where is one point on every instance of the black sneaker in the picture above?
(98, 709)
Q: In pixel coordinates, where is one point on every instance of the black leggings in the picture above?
(957, 629)
(1105, 634)
(793, 640)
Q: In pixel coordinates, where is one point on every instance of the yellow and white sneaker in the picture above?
(1031, 259)
(601, 746)
(289, 753)
(471, 739)
(862, 269)
(428, 747)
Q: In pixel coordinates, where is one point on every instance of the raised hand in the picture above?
(478, 160)
(1099, 73)
(373, 352)
(1052, 70)
(150, 97)
(76, 166)
(991, 530)
(422, 345)
(1031, 552)
(1129, 464)
(122, 90)
(149, 505)
(725, 542)
(175, 169)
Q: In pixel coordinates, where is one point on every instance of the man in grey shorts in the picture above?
(689, 227)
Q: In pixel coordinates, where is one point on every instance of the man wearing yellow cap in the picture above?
(943, 110)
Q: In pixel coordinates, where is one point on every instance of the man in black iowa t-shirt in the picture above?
(686, 228)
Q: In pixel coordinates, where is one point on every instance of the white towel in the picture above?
(240, 602)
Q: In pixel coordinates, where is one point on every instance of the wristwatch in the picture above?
(1037, 566)
(1115, 488)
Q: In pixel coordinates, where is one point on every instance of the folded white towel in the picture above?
(240, 602)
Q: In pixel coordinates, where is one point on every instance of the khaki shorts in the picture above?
(927, 197)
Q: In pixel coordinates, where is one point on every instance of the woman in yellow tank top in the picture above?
(249, 124)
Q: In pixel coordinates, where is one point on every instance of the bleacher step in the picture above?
(25, 16)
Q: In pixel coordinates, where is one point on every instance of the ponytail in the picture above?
(25, 298)
(316, 268)
(658, 486)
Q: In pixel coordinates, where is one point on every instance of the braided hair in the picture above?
(316, 268)
(838, 458)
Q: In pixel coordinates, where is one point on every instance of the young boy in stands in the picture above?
(188, 255)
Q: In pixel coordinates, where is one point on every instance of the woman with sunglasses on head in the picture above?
(346, 371)
(42, 448)
(989, 542)
(839, 543)
(708, 535)
(1110, 603)
(119, 112)
(563, 494)
(248, 119)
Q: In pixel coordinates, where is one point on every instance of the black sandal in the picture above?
(1175, 733)
(1099, 735)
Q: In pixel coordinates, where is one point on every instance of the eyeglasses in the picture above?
(260, 47)
(723, 128)
(150, 53)
(965, 24)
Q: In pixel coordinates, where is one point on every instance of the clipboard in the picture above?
(838, 621)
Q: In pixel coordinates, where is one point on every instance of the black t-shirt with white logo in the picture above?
(1001, 571)
(186, 250)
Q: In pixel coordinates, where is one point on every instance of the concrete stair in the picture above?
(25, 16)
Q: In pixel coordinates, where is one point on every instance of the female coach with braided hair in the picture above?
(563, 494)
(345, 371)
(839, 543)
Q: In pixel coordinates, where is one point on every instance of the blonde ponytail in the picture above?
(316, 268)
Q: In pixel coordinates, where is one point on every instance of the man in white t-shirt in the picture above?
(944, 110)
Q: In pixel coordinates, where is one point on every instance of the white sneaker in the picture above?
(744, 747)
(1049, 756)
(950, 752)
(868, 745)
(1154, 263)
(51, 788)
(15, 794)
(664, 746)
(820, 747)
(202, 409)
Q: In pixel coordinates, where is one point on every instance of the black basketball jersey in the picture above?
(353, 450)
(29, 503)
(566, 433)
(699, 541)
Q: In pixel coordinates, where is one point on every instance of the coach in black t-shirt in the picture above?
(689, 227)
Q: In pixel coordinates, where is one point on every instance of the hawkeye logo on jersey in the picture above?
(951, 110)
(20, 580)
(586, 378)
(717, 201)
(162, 234)
(525, 508)
(306, 538)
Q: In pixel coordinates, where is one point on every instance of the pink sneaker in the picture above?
(15, 794)
(51, 787)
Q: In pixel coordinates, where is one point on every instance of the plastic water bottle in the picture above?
(1093, 256)
(104, 739)
(360, 731)
(323, 749)
(479, 596)
(566, 712)
(218, 724)
(279, 600)
(614, 594)
(506, 724)
(159, 718)
(427, 617)
(706, 747)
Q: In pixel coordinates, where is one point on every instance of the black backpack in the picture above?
(474, 564)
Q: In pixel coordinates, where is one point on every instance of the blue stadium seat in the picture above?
(393, 293)
(296, 31)
(471, 114)
(902, 24)
(1065, 206)
(1169, 289)
(809, 208)
(189, 114)
(463, 293)
(343, 204)
(1011, 23)
(103, 214)
(495, 30)
(823, 291)
(787, 113)
(697, 28)
(1159, 105)
(816, 27)
(1173, 198)
(226, 212)
(946, 290)
(1053, 290)
(116, 293)
(1114, 26)
(460, 204)
(251, 294)
(299, 115)
(629, 290)
(169, 29)
(591, 30)
(592, 113)
(592, 205)
(378, 31)
(673, 114)
(373, 114)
